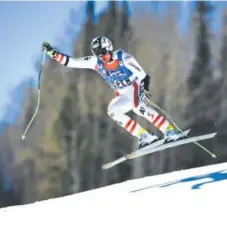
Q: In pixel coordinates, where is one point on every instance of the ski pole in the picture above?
(213, 155)
(38, 98)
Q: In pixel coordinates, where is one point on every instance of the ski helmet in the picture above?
(101, 45)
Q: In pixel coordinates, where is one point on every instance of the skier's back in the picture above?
(130, 83)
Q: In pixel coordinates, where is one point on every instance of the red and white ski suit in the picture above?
(124, 75)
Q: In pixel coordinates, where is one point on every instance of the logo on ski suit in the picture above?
(118, 78)
(129, 155)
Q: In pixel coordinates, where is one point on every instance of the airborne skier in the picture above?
(130, 84)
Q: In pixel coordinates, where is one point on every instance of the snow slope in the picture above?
(183, 205)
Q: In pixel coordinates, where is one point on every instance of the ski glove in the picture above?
(145, 96)
(46, 47)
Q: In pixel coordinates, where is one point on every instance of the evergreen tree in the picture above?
(201, 87)
(222, 120)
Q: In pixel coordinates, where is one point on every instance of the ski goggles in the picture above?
(100, 53)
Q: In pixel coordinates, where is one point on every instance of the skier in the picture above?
(130, 84)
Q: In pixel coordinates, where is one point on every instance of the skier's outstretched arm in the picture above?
(88, 62)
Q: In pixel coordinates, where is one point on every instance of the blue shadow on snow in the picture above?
(214, 176)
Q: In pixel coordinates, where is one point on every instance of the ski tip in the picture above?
(22, 137)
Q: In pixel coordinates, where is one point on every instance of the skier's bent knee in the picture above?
(115, 115)
(111, 113)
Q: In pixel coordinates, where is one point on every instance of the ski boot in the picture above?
(172, 134)
(146, 139)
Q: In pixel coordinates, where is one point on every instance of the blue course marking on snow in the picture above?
(214, 176)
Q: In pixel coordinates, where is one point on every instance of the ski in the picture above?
(135, 153)
(160, 147)
(175, 143)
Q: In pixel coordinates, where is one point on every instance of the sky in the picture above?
(23, 28)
